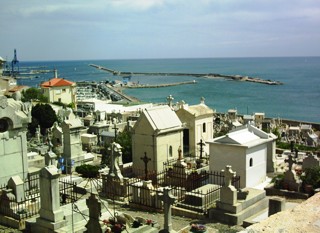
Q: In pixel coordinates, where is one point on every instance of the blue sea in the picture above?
(297, 99)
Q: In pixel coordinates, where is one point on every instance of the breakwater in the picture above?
(197, 75)
(159, 85)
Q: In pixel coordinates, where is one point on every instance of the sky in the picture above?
(136, 29)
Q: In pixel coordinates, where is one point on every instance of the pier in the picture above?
(197, 75)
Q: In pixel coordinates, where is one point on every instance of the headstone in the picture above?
(50, 158)
(168, 200)
(291, 180)
(228, 193)
(276, 204)
(51, 216)
(94, 205)
(16, 184)
(310, 161)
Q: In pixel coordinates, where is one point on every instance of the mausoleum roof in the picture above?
(162, 118)
(199, 109)
(248, 136)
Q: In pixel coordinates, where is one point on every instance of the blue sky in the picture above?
(130, 29)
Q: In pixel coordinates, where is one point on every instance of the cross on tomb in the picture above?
(290, 162)
(146, 160)
(94, 206)
(201, 144)
(168, 200)
(179, 153)
(115, 129)
(228, 175)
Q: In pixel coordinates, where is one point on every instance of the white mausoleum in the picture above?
(249, 150)
(14, 119)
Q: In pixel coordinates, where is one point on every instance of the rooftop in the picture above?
(57, 82)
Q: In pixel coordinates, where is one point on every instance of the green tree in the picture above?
(33, 93)
(44, 115)
(125, 140)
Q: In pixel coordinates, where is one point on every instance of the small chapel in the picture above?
(156, 138)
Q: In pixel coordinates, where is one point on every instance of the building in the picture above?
(158, 134)
(198, 125)
(14, 119)
(249, 150)
(59, 90)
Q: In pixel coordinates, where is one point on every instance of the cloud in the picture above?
(172, 28)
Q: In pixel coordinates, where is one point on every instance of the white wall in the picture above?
(256, 174)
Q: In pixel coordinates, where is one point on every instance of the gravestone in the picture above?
(144, 193)
(228, 193)
(233, 210)
(50, 158)
(168, 200)
(16, 184)
(291, 180)
(310, 161)
(51, 216)
(114, 184)
(94, 205)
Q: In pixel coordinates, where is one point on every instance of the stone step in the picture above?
(256, 218)
(238, 218)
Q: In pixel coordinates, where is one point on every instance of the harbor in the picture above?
(197, 75)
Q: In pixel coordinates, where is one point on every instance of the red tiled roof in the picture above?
(57, 82)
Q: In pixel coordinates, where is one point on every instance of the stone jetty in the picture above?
(197, 75)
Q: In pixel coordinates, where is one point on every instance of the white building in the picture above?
(249, 150)
(158, 133)
(198, 125)
(59, 90)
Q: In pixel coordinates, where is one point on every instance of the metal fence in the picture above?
(196, 191)
(30, 204)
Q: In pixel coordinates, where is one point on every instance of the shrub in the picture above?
(88, 171)
(311, 176)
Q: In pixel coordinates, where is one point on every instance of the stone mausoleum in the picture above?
(14, 119)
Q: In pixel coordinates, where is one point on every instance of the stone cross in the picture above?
(115, 129)
(168, 200)
(292, 145)
(228, 176)
(145, 159)
(179, 153)
(94, 206)
(290, 161)
(201, 144)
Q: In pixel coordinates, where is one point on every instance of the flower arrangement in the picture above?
(113, 226)
(198, 228)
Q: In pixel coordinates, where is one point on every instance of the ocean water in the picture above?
(298, 98)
